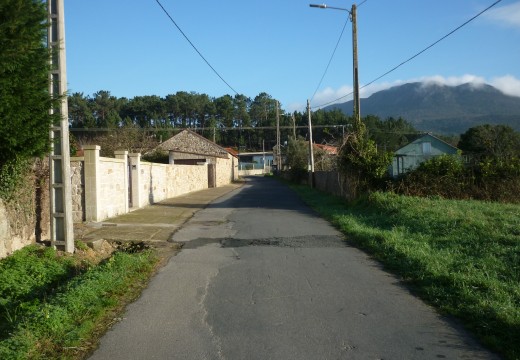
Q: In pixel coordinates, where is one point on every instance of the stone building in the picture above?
(190, 148)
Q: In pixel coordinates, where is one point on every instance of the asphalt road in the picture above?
(261, 276)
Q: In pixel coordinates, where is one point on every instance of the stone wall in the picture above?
(160, 181)
(100, 190)
(25, 219)
(78, 189)
(227, 170)
(113, 190)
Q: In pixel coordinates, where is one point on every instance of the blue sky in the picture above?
(282, 47)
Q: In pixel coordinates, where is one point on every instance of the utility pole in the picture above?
(353, 17)
(357, 102)
(278, 146)
(293, 127)
(311, 150)
(62, 231)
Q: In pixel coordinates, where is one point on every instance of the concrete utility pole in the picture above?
(278, 146)
(62, 231)
(293, 127)
(357, 102)
(311, 150)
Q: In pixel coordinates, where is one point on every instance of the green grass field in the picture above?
(463, 257)
(52, 306)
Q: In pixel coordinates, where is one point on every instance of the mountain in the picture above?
(440, 108)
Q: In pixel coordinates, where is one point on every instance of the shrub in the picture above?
(361, 163)
(24, 88)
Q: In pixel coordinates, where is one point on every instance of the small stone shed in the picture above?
(190, 148)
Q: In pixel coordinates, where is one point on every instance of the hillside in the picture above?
(441, 109)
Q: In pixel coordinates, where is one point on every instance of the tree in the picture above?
(491, 141)
(297, 155)
(361, 162)
(80, 111)
(389, 134)
(24, 81)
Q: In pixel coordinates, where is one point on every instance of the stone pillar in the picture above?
(122, 154)
(92, 182)
(135, 176)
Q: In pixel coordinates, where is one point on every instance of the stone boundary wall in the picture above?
(252, 172)
(227, 170)
(77, 175)
(158, 182)
(106, 187)
(24, 219)
(13, 236)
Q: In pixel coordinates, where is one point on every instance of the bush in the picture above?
(361, 163)
(446, 176)
(24, 88)
(298, 158)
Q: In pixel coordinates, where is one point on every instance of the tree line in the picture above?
(236, 121)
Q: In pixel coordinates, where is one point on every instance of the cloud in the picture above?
(329, 95)
(508, 84)
(508, 15)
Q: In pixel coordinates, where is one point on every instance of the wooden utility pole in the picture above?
(357, 102)
(62, 231)
(311, 150)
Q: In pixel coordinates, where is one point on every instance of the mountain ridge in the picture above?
(441, 108)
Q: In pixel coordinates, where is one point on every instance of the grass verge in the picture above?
(54, 306)
(463, 257)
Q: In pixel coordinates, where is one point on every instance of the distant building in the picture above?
(255, 160)
(190, 148)
(421, 149)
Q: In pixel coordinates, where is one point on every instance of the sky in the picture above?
(282, 47)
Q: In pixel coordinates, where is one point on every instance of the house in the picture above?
(421, 149)
(330, 150)
(190, 148)
(256, 160)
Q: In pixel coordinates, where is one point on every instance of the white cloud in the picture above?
(508, 15)
(508, 84)
(329, 95)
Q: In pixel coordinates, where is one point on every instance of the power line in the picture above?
(195, 48)
(416, 55)
(330, 60)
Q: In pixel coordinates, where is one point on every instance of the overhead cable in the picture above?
(330, 60)
(414, 56)
(194, 47)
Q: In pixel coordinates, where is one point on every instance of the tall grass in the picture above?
(52, 306)
(461, 256)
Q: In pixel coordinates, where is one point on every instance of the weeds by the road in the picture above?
(52, 304)
(461, 256)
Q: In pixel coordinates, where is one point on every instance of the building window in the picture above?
(427, 148)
